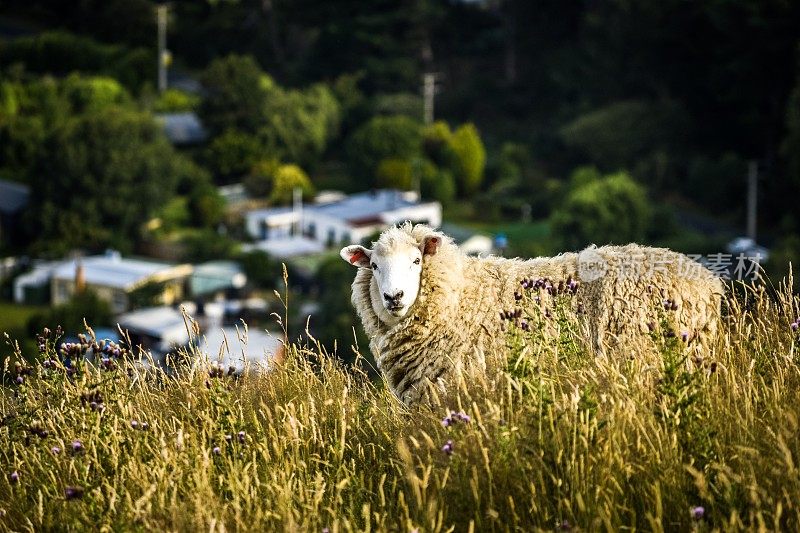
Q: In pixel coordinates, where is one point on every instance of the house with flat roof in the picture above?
(216, 277)
(164, 330)
(115, 279)
(335, 220)
(112, 277)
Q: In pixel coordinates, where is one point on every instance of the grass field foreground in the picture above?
(664, 440)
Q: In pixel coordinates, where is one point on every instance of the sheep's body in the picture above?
(455, 324)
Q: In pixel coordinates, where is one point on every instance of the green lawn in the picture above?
(524, 238)
(14, 318)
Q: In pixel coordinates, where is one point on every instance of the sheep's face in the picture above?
(396, 271)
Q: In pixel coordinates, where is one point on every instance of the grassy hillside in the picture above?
(662, 437)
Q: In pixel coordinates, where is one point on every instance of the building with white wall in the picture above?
(112, 277)
(338, 220)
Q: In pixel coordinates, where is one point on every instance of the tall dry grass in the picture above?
(562, 440)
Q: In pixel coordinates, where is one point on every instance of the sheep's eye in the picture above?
(374, 266)
(416, 261)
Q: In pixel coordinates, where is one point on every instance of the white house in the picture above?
(111, 276)
(161, 330)
(336, 220)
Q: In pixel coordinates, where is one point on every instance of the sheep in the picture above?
(431, 312)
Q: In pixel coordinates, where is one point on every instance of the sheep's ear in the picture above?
(356, 255)
(430, 245)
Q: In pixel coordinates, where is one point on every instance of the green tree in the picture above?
(613, 209)
(93, 93)
(237, 89)
(232, 154)
(287, 178)
(382, 138)
(261, 270)
(98, 178)
(436, 143)
(174, 101)
(470, 158)
(258, 181)
(60, 53)
(435, 183)
(634, 134)
(395, 174)
(298, 124)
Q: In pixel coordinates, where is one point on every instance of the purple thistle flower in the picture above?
(73, 493)
(684, 336)
(134, 424)
(145, 425)
(14, 477)
(46, 363)
(216, 450)
(326, 530)
(228, 439)
(20, 380)
(517, 296)
(697, 512)
(77, 446)
(448, 447)
(56, 450)
(795, 326)
(241, 436)
(464, 417)
(446, 421)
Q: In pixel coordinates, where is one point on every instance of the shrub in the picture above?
(470, 159)
(59, 52)
(612, 209)
(175, 100)
(288, 178)
(395, 174)
(233, 153)
(394, 137)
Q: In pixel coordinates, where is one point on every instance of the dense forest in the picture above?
(611, 121)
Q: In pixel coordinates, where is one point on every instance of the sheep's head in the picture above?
(396, 260)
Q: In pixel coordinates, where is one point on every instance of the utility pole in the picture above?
(428, 92)
(163, 53)
(752, 198)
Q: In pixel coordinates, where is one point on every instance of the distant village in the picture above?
(216, 294)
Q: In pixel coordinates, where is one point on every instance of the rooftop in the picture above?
(182, 128)
(111, 270)
(367, 205)
(287, 247)
(155, 321)
(13, 196)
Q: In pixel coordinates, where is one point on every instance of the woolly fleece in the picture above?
(454, 328)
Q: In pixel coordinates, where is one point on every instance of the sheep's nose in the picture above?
(393, 298)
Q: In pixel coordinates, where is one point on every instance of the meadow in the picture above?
(663, 437)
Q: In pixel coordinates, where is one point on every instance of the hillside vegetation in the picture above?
(659, 438)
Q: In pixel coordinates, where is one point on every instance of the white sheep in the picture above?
(431, 312)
